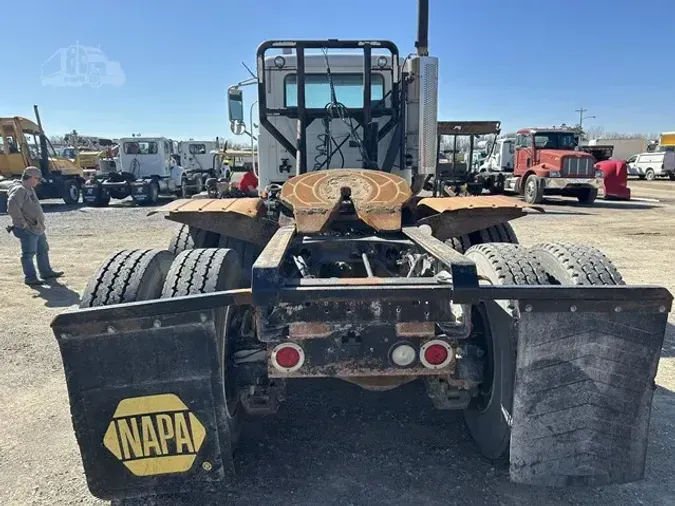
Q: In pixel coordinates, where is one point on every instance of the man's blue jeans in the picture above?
(33, 245)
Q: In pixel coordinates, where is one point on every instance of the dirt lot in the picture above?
(332, 443)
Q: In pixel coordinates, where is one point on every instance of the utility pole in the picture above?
(582, 117)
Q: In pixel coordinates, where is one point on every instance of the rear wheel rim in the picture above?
(74, 192)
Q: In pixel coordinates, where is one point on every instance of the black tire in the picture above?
(186, 237)
(641, 177)
(502, 233)
(587, 196)
(576, 264)
(184, 192)
(650, 175)
(460, 244)
(246, 251)
(71, 191)
(533, 192)
(208, 270)
(671, 176)
(128, 276)
(153, 193)
(502, 264)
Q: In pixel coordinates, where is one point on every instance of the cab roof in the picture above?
(27, 126)
(536, 130)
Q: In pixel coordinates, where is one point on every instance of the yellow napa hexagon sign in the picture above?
(156, 434)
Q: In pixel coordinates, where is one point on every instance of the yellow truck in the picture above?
(23, 143)
(667, 140)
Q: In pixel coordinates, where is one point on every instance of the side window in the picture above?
(510, 145)
(2, 145)
(632, 159)
(197, 149)
(519, 140)
(527, 141)
(12, 146)
(167, 149)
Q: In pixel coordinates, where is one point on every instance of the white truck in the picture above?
(147, 168)
(500, 157)
(650, 165)
(197, 158)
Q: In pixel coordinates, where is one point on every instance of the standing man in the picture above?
(28, 224)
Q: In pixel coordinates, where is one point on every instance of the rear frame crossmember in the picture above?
(269, 287)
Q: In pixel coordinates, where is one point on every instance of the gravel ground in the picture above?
(331, 443)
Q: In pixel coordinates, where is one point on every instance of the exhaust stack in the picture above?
(422, 43)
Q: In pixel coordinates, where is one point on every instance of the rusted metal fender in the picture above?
(378, 198)
(241, 218)
(454, 216)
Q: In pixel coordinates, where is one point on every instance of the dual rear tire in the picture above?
(187, 237)
(149, 274)
(488, 417)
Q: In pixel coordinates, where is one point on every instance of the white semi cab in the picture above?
(148, 167)
(334, 137)
(500, 158)
(196, 157)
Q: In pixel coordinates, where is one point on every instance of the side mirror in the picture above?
(235, 104)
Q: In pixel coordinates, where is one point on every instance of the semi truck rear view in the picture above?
(340, 268)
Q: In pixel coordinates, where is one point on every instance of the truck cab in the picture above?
(344, 110)
(23, 143)
(197, 157)
(501, 156)
(148, 167)
(549, 162)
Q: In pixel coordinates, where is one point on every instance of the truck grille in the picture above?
(577, 167)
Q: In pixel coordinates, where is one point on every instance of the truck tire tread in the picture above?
(459, 244)
(247, 252)
(577, 264)
(501, 264)
(187, 237)
(513, 265)
(197, 271)
(128, 276)
(500, 233)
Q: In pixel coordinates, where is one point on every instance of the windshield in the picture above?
(555, 140)
(348, 90)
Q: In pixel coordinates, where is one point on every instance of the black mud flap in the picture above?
(583, 395)
(145, 395)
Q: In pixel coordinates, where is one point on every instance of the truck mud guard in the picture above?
(146, 399)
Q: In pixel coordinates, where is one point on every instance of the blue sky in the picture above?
(525, 63)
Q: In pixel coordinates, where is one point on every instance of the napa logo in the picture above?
(154, 435)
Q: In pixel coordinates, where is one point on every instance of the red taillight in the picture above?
(435, 354)
(288, 357)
